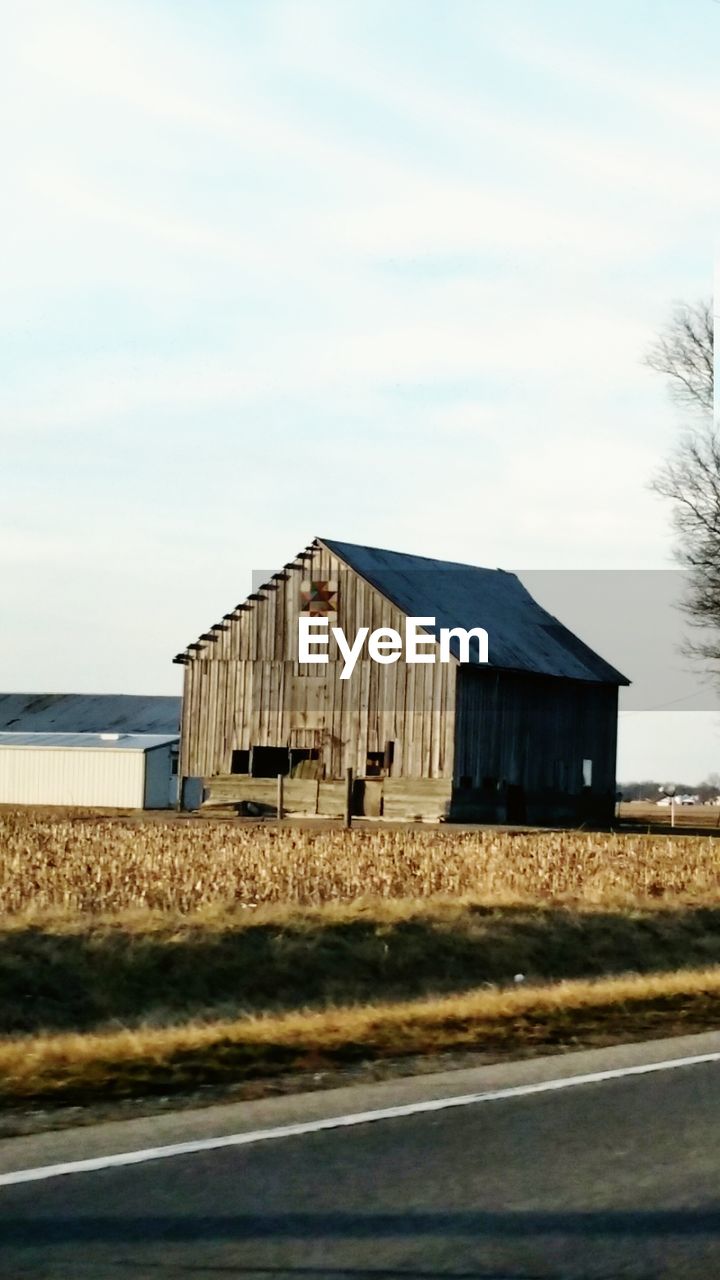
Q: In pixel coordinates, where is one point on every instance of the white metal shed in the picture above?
(105, 770)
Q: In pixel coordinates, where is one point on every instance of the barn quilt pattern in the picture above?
(319, 597)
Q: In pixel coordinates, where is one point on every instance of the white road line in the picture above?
(341, 1122)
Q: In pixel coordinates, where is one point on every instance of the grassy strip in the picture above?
(83, 974)
(85, 1068)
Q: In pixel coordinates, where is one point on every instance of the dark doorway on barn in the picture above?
(305, 762)
(240, 762)
(268, 762)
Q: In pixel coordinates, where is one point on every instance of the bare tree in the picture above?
(690, 478)
(684, 353)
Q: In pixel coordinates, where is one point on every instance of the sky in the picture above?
(380, 272)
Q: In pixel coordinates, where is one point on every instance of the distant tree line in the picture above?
(652, 790)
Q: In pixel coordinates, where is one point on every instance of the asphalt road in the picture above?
(614, 1179)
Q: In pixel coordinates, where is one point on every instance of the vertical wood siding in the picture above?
(462, 726)
(535, 732)
(246, 688)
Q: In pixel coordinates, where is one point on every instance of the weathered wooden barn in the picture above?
(528, 737)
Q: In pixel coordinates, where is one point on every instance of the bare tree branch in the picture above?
(683, 352)
(690, 479)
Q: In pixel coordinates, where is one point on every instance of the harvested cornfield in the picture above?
(104, 866)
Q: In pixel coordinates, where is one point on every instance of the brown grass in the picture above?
(206, 942)
(124, 1063)
(86, 974)
(106, 865)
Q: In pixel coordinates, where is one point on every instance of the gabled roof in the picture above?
(522, 635)
(89, 713)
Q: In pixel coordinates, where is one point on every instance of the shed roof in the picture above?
(522, 635)
(89, 741)
(89, 713)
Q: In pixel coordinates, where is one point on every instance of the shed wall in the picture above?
(53, 775)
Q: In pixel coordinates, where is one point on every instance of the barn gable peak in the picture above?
(523, 636)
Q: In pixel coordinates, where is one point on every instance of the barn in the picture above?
(528, 736)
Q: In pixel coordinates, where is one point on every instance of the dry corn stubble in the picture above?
(101, 865)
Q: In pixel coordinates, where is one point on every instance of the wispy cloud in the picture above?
(664, 100)
(243, 238)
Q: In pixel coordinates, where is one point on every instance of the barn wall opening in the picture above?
(268, 762)
(305, 762)
(240, 762)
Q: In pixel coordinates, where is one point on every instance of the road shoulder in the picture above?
(114, 1137)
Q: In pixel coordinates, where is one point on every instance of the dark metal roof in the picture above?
(89, 713)
(522, 636)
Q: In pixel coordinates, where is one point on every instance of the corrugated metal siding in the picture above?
(54, 775)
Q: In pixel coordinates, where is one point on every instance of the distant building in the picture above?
(92, 770)
(529, 737)
(90, 750)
